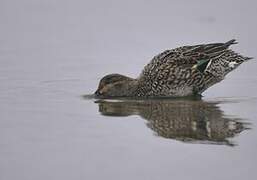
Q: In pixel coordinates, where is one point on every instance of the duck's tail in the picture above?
(230, 42)
(220, 65)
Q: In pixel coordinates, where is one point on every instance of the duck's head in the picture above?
(115, 85)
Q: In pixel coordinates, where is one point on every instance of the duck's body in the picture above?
(183, 71)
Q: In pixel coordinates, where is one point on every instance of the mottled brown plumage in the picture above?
(183, 71)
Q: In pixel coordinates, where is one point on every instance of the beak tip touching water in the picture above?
(97, 93)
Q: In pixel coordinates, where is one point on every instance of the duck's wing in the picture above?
(197, 56)
(196, 53)
(199, 66)
(210, 50)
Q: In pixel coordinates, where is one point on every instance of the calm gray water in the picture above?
(53, 52)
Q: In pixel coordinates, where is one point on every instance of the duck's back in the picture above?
(188, 70)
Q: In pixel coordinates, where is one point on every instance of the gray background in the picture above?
(54, 51)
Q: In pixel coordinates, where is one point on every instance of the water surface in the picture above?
(53, 52)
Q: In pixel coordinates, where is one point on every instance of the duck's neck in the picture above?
(131, 87)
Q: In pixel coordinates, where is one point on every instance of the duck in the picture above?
(179, 72)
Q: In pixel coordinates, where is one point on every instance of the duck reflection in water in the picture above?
(193, 121)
